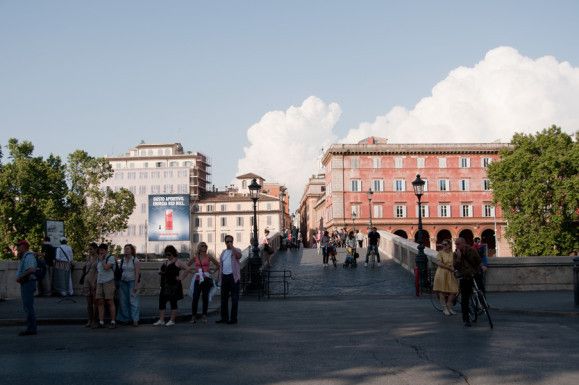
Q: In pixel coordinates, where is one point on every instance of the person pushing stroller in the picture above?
(351, 254)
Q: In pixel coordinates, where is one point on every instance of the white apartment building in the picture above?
(150, 169)
(230, 212)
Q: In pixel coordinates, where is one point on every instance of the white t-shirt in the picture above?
(226, 259)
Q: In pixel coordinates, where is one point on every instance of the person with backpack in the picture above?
(62, 282)
(26, 277)
(105, 289)
(130, 268)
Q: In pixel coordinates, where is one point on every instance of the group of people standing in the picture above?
(113, 285)
(327, 244)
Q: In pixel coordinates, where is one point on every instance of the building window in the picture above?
(159, 164)
(209, 208)
(354, 162)
(197, 222)
(223, 221)
(376, 162)
(485, 162)
(488, 210)
(464, 162)
(268, 206)
(420, 162)
(209, 222)
(243, 184)
(466, 210)
(268, 220)
(441, 162)
(425, 184)
(210, 238)
(400, 211)
(173, 164)
(143, 208)
(486, 185)
(463, 185)
(195, 237)
(142, 190)
(222, 237)
(377, 211)
(378, 185)
(425, 212)
(398, 162)
(355, 210)
(444, 210)
(356, 185)
(239, 207)
(399, 185)
(443, 185)
(239, 221)
(222, 208)
(238, 237)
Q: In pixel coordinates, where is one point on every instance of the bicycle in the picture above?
(478, 305)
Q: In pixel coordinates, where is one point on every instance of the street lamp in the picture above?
(282, 199)
(255, 261)
(354, 220)
(370, 193)
(418, 186)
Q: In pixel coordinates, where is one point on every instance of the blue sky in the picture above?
(103, 75)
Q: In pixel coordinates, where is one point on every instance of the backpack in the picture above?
(41, 268)
(119, 270)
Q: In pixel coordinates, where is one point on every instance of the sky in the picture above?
(265, 86)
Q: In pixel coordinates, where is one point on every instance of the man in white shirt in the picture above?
(230, 277)
(62, 282)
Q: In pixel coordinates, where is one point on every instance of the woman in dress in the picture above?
(89, 284)
(444, 282)
(203, 282)
(171, 287)
(129, 287)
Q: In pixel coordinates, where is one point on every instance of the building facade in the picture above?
(309, 214)
(152, 169)
(219, 213)
(457, 201)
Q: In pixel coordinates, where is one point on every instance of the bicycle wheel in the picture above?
(485, 309)
(473, 306)
(434, 299)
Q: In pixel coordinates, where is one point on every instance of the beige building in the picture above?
(219, 213)
(308, 213)
(150, 169)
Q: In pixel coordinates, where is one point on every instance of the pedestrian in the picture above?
(467, 261)
(88, 281)
(230, 277)
(25, 276)
(47, 253)
(129, 301)
(62, 282)
(359, 238)
(266, 248)
(445, 283)
(325, 244)
(105, 288)
(171, 286)
(373, 243)
(202, 280)
(482, 249)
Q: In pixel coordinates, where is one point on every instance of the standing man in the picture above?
(373, 243)
(62, 269)
(230, 276)
(27, 279)
(46, 252)
(467, 262)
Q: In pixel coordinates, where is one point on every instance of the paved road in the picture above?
(312, 279)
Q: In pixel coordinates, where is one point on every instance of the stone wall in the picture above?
(504, 273)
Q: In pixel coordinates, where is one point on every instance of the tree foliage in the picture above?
(33, 189)
(536, 183)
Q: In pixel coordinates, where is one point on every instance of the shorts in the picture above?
(105, 290)
(164, 298)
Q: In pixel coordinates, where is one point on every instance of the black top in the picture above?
(373, 237)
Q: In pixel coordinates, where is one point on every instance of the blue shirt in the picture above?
(28, 261)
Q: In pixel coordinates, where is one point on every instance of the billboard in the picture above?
(55, 230)
(169, 217)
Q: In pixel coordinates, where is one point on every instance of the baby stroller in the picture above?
(351, 256)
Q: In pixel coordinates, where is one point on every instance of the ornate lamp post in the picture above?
(370, 193)
(254, 261)
(282, 200)
(354, 220)
(418, 186)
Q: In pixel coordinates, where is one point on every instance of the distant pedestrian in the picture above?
(373, 243)
(62, 281)
(105, 288)
(89, 285)
(47, 253)
(266, 248)
(202, 280)
(360, 238)
(129, 301)
(25, 276)
(171, 286)
(325, 245)
(230, 277)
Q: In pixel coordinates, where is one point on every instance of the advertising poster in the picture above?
(169, 217)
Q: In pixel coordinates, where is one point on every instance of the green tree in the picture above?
(95, 212)
(32, 190)
(536, 183)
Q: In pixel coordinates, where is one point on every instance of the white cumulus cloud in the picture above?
(284, 145)
(504, 93)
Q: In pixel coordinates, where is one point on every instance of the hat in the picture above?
(63, 239)
(22, 242)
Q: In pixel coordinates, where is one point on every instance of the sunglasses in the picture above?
(228, 241)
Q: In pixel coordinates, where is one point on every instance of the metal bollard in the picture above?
(576, 279)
